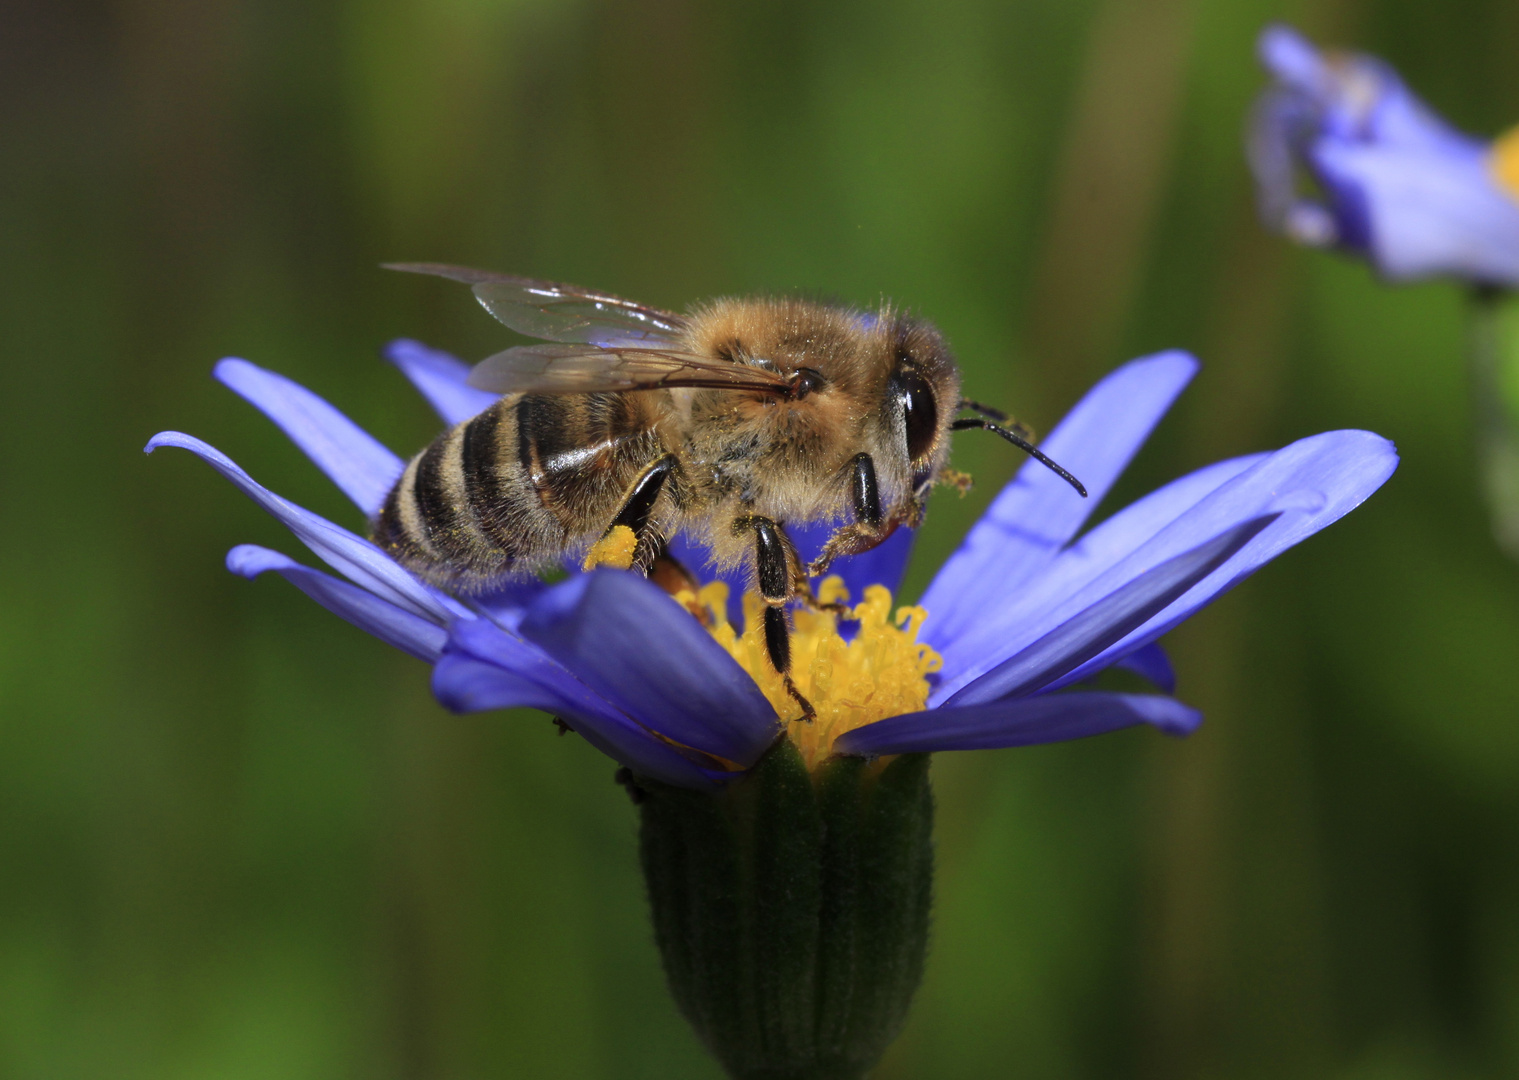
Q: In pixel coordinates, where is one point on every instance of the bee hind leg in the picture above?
(629, 541)
(776, 565)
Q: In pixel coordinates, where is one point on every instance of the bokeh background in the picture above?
(239, 840)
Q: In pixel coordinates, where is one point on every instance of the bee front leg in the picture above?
(628, 536)
(775, 565)
(868, 528)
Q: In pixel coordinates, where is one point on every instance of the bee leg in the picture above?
(805, 593)
(809, 598)
(623, 549)
(869, 527)
(775, 565)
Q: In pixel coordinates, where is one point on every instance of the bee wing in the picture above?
(559, 312)
(583, 369)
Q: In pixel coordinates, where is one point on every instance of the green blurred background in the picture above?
(239, 840)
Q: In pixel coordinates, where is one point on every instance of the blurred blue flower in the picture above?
(1020, 614)
(1396, 183)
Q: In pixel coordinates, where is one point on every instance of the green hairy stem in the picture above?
(791, 910)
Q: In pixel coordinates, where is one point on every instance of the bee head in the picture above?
(922, 393)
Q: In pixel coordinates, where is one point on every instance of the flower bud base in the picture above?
(791, 909)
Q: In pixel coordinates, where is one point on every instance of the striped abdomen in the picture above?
(508, 491)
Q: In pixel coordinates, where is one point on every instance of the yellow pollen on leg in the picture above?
(614, 549)
(882, 671)
(1504, 161)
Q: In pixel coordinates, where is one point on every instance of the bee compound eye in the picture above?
(920, 412)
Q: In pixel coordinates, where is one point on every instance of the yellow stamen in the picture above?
(880, 672)
(1505, 161)
(614, 549)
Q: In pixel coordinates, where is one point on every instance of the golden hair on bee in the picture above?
(630, 424)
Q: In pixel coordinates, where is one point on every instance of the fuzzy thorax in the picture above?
(881, 671)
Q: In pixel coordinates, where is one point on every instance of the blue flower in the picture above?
(1017, 620)
(1396, 183)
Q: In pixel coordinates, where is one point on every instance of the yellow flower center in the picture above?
(1505, 162)
(882, 671)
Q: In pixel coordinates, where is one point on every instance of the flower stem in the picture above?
(791, 909)
(1493, 355)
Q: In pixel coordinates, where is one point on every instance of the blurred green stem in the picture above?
(1493, 352)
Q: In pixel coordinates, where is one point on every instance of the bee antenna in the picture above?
(1021, 443)
(985, 410)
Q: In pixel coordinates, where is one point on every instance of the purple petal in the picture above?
(1310, 483)
(1279, 122)
(883, 564)
(1084, 561)
(507, 601)
(487, 668)
(1101, 618)
(632, 644)
(1397, 118)
(1404, 187)
(440, 377)
(1356, 98)
(1152, 663)
(1037, 513)
(352, 458)
(1021, 722)
(407, 632)
(1292, 59)
(1429, 213)
(1132, 526)
(353, 557)
(1316, 481)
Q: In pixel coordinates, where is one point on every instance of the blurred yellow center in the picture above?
(882, 671)
(1505, 161)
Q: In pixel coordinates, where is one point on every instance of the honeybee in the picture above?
(725, 424)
